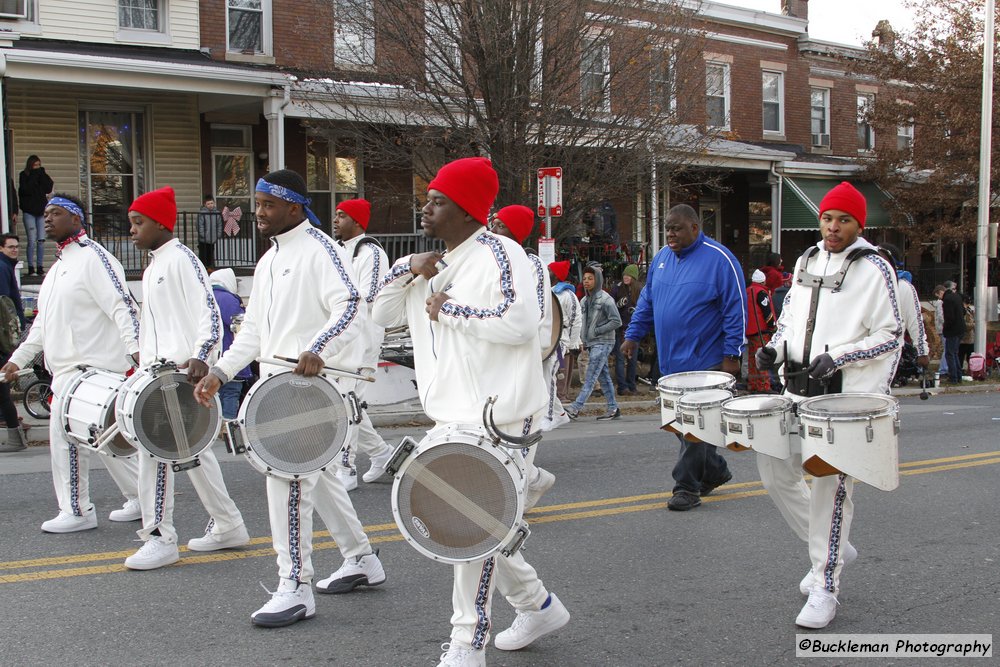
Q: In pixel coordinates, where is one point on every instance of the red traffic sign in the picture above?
(550, 192)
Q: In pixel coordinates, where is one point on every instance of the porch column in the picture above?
(274, 112)
(5, 225)
(774, 180)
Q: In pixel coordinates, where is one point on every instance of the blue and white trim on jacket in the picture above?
(119, 287)
(451, 309)
(352, 303)
(213, 338)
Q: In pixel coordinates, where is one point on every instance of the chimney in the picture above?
(796, 8)
(885, 35)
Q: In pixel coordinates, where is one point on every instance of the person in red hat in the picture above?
(90, 319)
(371, 264)
(473, 317)
(180, 323)
(569, 341)
(841, 329)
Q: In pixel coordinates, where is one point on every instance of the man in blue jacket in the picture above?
(695, 300)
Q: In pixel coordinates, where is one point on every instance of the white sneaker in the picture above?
(237, 537)
(130, 511)
(560, 419)
(291, 603)
(377, 468)
(69, 523)
(530, 625)
(542, 482)
(819, 609)
(153, 554)
(456, 655)
(357, 571)
(349, 476)
(808, 581)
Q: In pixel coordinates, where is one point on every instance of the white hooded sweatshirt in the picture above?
(86, 315)
(485, 342)
(304, 298)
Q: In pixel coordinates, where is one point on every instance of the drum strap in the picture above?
(366, 240)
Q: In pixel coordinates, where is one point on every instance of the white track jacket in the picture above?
(909, 307)
(860, 322)
(180, 319)
(572, 320)
(370, 264)
(86, 314)
(304, 298)
(485, 342)
(544, 293)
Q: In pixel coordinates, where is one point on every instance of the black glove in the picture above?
(822, 367)
(765, 358)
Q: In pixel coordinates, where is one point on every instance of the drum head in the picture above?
(556, 311)
(690, 381)
(295, 425)
(168, 422)
(118, 446)
(756, 404)
(704, 398)
(456, 501)
(847, 406)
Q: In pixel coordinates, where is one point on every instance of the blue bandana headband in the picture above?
(283, 193)
(68, 205)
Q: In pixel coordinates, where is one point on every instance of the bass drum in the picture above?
(88, 412)
(458, 497)
(292, 426)
(556, 333)
(158, 414)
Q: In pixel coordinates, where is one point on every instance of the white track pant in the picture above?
(71, 462)
(290, 505)
(821, 515)
(550, 371)
(156, 496)
(472, 594)
(368, 440)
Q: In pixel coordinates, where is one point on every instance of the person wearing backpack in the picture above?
(11, 325)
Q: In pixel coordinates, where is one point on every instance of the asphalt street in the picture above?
(645, 586)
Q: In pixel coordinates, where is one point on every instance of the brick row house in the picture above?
(118, 97)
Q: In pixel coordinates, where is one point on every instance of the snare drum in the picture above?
(761, 422)
(89, 410)
(672, 387)
(158, 414)
(701, 415)
(292, 426)
(856, 434)
(458, 497)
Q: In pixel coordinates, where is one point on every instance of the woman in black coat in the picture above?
(34, 187)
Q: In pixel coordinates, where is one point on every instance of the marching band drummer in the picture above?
(179, 323)
(569, 341)
(371, 264)
(474, 324)
(854, 348)
(303, 303)
(86, 317)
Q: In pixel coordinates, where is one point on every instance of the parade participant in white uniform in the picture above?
(854, 348)
(569, 341)
(475, 334)
(179, 323)
(86, 317)
(909, 305)
(370, 264)
(304, 304)
(516, 222)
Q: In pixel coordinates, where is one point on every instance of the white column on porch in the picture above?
(274, 112)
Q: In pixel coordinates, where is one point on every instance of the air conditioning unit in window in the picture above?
(14, 9)
(822, 140)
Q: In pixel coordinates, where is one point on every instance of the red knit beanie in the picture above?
(560, 270)
(359, 210)
(469, 182)
(520, 220)
(845, 197)
(159, 205)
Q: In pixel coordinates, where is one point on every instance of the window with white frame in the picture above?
(662, 66)
(444, 52)
(717, 94)
(819, 117)
(113, 166)
(595, 73)
(247, 25)
(139, 14)
(904, 137)
(773, 94)
(866, 133)
(354, 32)
(17, 9)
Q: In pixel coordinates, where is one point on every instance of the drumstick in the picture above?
(288, 362)
(18, 374)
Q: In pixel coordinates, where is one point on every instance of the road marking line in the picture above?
(551, 514)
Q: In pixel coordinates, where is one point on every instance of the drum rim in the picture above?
(128, 396)
(806, 414)
(685, 401)
(250, 452)
(108, 409)
(734, 412)
(501, 454)
(663, 388)
(77, 379)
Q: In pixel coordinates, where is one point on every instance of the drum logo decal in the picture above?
(688, 419)
(735, 428)
(169, 386)
(815, 432)
(300, 383)
(421, 528)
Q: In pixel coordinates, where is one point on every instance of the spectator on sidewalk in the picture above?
(600, 320)
(9, 247)
(953, 329)
(626, 295)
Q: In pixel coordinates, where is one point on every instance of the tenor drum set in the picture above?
(852, 433)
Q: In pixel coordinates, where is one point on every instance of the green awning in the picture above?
(800, 198)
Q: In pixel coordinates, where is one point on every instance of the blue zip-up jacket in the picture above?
(696, 301)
